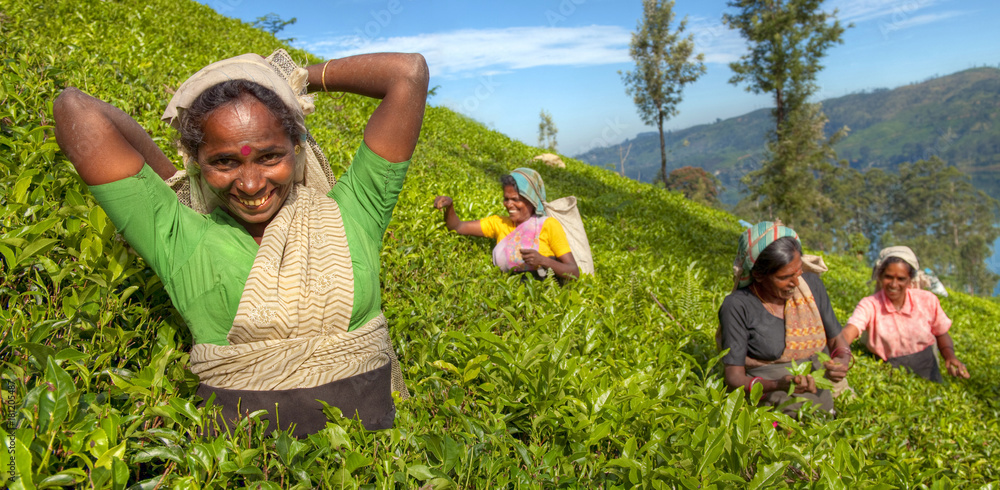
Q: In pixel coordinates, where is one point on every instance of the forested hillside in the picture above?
(952, 117)
(611, 381)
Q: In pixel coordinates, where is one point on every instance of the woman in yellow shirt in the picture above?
(527, 240)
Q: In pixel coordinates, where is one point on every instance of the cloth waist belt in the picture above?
(284, 364)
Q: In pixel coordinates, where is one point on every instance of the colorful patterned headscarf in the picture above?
(752, 242)
(530, 187)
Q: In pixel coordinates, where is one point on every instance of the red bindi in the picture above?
(245, 150)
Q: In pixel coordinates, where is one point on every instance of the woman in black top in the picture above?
(777, 314)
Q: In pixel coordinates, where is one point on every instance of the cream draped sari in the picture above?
(290, 329)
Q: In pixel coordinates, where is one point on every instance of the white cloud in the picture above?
(892, 15)
(865, 10)
(474, 52)
(719, 43)
(723, 45)
(918, 20)
(470, 52)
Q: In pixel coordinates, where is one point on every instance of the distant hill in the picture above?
(953, 117)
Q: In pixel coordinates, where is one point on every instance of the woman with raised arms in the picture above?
(274, 269)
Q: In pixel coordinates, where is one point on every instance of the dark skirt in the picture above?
(366, 396)
(923, 364)
(823, 398)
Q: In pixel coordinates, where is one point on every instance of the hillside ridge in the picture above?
(951, 116)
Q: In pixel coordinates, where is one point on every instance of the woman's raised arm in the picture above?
(104, 143)
(399, 79)
(470, 228)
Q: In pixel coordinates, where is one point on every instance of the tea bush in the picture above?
(611, 381)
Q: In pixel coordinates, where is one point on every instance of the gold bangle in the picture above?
(323, 78)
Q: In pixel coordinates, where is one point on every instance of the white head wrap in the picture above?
(276, 72)
(901, 252)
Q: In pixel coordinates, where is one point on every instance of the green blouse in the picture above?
(204, 260)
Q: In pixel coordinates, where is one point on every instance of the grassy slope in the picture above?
(514, 384)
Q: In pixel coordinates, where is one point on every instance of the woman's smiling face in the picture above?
(781, 284)
(895, 279)
(517, 206)
(248, 160)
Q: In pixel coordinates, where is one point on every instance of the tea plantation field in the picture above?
(515, 385)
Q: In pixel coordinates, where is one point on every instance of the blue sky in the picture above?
(501, 63)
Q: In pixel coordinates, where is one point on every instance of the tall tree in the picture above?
(664, 63)
(786, 186)
(787, 39)
(862, 212)
(623, 156)
(547, 131)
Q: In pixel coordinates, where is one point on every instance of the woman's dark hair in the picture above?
(895, 260)
(778, 254)
(192, 120)
(508, 180)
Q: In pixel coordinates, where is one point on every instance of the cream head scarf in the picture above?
(901, 252)
(276, 72)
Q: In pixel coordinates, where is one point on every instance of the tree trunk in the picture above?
(779, 108)
(663, 150)
(623, 158)
(954, 224)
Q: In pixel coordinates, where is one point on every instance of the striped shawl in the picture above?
(290, 329)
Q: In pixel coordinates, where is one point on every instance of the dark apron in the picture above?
(923, 364)
(775, 398)
(366, 396)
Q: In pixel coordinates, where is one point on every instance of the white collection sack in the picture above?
(565, 212)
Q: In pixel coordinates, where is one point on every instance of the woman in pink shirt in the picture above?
(904, 323)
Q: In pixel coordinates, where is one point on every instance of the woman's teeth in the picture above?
(256, 202)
